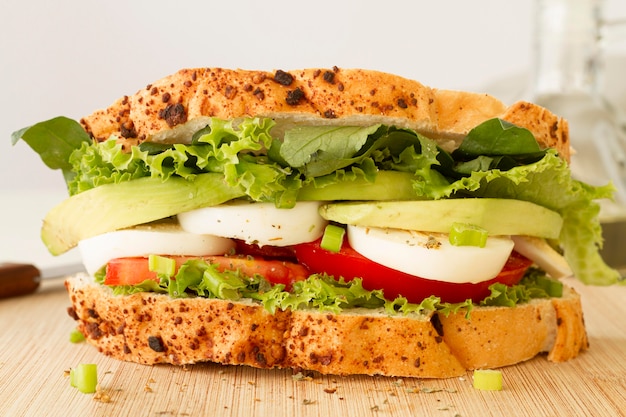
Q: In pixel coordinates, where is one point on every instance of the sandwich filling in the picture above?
(240, 209)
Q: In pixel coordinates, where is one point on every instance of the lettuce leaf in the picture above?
(104, 163)
(218, 150)
(197, 278)
(534, 285)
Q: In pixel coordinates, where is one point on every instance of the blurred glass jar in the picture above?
(567, 77)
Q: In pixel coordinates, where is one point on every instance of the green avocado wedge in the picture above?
(111, 207)
(497, 216)
(388, 185)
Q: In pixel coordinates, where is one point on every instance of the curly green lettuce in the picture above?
(198, 278)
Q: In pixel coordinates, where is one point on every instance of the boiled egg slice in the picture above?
(160, 238)
(544, 255)
(431, 255)
(260, 223)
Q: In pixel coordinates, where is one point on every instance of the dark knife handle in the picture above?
(18, 279)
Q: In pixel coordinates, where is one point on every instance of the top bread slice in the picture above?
(172, 108)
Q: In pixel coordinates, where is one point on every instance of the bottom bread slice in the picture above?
(150, 328)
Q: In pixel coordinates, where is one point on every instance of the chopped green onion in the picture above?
(84, 377)
(162, 265)
(463, 234)
(226, 285)
(76, 336)
(488, 379)
(332, 238)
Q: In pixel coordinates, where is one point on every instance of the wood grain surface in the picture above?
(35, 355)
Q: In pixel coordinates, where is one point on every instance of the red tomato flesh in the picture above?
(348, 263)
(132, 271)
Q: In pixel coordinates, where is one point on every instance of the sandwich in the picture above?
(341, 221)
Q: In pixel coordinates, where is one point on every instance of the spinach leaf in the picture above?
(498, 137)
(54, 140)
(494, 144)
(324, 146)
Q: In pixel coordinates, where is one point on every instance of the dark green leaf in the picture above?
(54, 140)
(322, 149)
(498, 137)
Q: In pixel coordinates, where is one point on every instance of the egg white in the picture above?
(543, 255)
(157, 238)
(260, 223)
(431, 255)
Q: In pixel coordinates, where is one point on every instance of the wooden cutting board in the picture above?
(35, 355)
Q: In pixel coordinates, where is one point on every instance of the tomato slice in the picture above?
(135, 270)
(348, 263)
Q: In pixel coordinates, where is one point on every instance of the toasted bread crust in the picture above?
(179, 104)
(151, 328)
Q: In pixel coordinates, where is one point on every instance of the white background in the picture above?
(67, 57)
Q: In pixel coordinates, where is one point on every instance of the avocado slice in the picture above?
(388, 185)
(497, 216)
(116, 206)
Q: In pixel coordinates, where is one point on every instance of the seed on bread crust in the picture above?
(174, 114)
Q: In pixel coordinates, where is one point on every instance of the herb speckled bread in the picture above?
(151, 328)
(178, 105)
